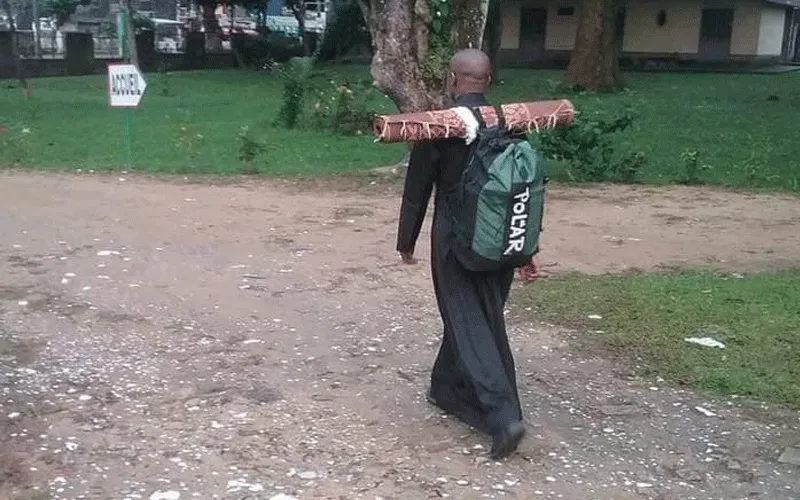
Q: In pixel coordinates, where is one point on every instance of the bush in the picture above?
(249, 150)
(342, 109)
(282, 48)
(590, 149)
(189, 141)
(692, 167)
(296, 74)
(263, 51)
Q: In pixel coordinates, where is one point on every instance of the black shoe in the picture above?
(505, 442)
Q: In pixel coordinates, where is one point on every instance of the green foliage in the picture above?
(711, 114)
(264, 52)
(591, 148)
(344, 108)
(295, 82)
(249, 149)
(189, 141)
(440, 28)
(755, 164)
(341, 108)
(692, 167)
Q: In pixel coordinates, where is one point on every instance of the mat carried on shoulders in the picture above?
(448, 124)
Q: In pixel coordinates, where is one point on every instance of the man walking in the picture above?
(473, 377)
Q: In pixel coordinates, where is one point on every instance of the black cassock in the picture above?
(473, 377)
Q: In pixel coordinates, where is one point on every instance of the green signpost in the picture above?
(126, 84)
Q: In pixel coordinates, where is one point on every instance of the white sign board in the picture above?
(126, 85)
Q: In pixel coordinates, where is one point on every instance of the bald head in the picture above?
(472, 63)
(471, 71)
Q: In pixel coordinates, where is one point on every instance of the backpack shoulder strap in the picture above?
(501, 117)
(477, 114)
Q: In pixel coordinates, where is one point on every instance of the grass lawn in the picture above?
(644, 319)
(188, 123)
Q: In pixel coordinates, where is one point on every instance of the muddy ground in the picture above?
(260, 340)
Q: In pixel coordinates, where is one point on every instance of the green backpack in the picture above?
(499, 203)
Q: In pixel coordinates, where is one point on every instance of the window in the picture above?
(566, 11)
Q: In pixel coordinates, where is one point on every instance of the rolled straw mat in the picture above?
(446, 124)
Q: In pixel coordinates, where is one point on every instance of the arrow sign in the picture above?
(126, 85)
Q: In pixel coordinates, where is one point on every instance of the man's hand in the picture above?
(529, 272)
(408, 258)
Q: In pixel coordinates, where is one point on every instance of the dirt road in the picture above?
(164, 340)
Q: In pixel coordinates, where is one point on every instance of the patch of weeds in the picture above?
(692, 168)
(592, 148)
(342, 109)
(757, 164)
(295, 75)
(164, 81)
(189, 141)
(249, 150)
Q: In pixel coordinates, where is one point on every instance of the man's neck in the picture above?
(471, 98)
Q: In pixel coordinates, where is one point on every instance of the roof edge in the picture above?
(784, 3)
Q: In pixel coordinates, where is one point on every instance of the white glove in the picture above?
(471, 124)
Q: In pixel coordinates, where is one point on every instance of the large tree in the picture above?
(594, 63)
(213, 31)
(412, 41)
(12, 27)
(298, 8)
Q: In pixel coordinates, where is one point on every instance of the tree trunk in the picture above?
(471, 19)
(400, 44)
(492, 34)
(299, 10)
(12, 27)
(399, 30)
(211, 25)
(593, 64)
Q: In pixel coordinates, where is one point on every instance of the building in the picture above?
(536, 31)
(281, 19)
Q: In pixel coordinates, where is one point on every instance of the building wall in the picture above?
(561, 30)
(509, 38)
(757, 29)
(679, 35)
(746, 23)
(770, 39)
